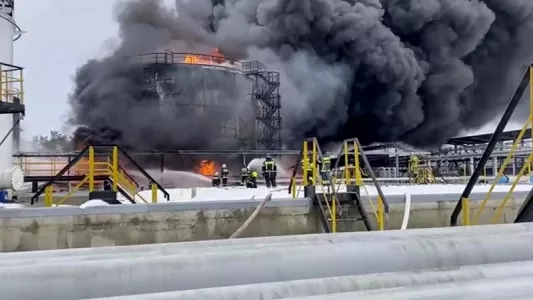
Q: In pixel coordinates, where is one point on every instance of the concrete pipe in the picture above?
(53, 256)
(188, 247)
(500, 288)
(115, 277)
(323, 286)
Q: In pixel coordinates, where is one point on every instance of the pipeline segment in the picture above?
(190, 247)
(332, 285)
(129, 276)
(220, 246)
(500, 288)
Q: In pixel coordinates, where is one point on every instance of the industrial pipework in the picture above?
(11, 98)
(350, 262)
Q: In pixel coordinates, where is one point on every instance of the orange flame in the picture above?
(206, 168)
(215, 58)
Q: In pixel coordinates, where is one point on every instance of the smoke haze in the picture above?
(415, 71)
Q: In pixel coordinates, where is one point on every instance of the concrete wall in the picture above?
(58, 228)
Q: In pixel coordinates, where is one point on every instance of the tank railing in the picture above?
(11, 83)
(503, 167)
(499, 211)
(169, 57)
(526, 78)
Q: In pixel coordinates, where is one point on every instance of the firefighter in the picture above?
(325, 168)
(225, 175)
(251, 181)
(245, 173)
(309, 170)
(216, 180)
(269, 171)
(107, 185)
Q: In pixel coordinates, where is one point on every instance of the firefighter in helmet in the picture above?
(269, 171)
(216, 180)
(245, 173)
(225, 174)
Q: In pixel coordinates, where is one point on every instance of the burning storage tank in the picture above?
(209, 92)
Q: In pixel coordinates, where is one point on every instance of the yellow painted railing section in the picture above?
(526, 169)
(109, 168)
(501, 171)
(11, 83)
(352, 174)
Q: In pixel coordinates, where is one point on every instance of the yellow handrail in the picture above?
(507, 160)
(499, 210)
(74, 190)
(377, 211)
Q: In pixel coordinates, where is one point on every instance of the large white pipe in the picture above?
(10, 177)
(323, 286)
(131, 276)
(26, 258)
(495, 289)
(187, 247)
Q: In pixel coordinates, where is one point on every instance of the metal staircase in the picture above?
(265, 93)
(337, 193)
(95, 164)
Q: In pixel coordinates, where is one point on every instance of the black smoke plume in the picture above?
(413, 71)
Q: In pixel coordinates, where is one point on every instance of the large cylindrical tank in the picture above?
(7, 34)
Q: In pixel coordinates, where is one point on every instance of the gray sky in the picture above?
(61, 36)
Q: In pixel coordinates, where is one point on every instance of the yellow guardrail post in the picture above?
(358, 177)
(305, 158)
(48, 196)
(466, 211)
(114, 170)
(347, 176)
(381, 214)
(333, 213)
(313, 163)
(91, 169)
(154, 193)
(531, 101)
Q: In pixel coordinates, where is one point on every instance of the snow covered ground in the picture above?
(241, 193)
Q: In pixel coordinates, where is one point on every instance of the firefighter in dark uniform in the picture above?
(225, 175)
(325, 168)
(107, 185)
(270, 171)
(245, 173)
(251, 181)
(216, 180)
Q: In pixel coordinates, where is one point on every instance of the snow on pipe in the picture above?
(500, 288)
(130, 276)
(323, 286)
(223, 245)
